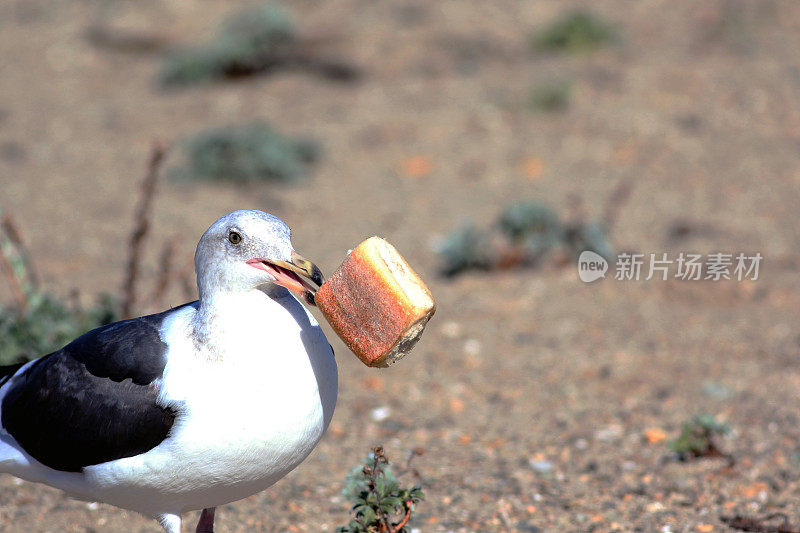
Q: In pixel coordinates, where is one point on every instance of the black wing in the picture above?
(92, 401)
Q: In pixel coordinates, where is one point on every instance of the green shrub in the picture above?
(467, 248)
(247, 42)
(591, 236)
(698, 437)
(38, 323)
(521, 220)
(380, 503)
(577, 31)
(533, 228)
(47, 324)
(246, 153)
(529, 231)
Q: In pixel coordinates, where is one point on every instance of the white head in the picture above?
(246, 250)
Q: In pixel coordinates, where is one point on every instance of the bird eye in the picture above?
(235, 237)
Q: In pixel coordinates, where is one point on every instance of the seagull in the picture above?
(191, 408)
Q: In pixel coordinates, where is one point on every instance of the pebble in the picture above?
(451, 329)
(379, 414)
(612, 432)
(472, 347)
(542, 467)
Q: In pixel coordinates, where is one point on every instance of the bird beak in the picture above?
(293, 274)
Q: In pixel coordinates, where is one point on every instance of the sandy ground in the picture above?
(532, 393)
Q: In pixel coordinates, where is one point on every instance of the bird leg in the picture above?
(206, 523)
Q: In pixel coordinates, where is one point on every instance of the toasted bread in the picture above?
(376, 303)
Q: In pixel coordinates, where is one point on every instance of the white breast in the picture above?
(257, 399)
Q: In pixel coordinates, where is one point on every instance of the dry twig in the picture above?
(15, 265)
(141, 227)
(12, 231)
(615, 202)
(13, 281)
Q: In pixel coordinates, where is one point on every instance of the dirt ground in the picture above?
(542, 403)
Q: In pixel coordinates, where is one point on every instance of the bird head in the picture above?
(247, 250)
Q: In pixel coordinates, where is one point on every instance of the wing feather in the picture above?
(94, 400)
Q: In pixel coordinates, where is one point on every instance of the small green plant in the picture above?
(467, 248)
(381, 505)
(592, 236)
(522, 220)
(577, 31)
(257, 40)
(47, 324)
(550, 96)
(533, 230)
(529, 231)
(247, 42)
(246, 153)
(38, 323)
(698, 438)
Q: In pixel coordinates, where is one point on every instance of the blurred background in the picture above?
(490, 142)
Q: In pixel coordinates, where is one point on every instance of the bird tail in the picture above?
(14, 460)
(6, 371)
(9, 454)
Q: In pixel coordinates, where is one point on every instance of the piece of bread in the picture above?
(376, 303)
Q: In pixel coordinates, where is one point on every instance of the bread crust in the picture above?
(376, 303)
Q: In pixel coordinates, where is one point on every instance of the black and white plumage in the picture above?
(187, 409)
